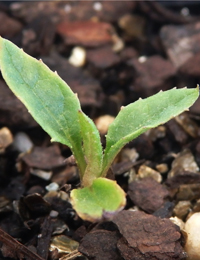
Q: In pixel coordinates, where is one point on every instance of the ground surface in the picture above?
(133, 49)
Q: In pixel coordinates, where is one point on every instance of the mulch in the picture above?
(131, 49)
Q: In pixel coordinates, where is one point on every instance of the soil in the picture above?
(132, 49)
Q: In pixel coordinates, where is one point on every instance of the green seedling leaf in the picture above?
(57, 109)
(48, 98)
(138, 117)
(92, 149)
(101, 200)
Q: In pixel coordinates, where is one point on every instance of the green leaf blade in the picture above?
(47, 97)
(101, 200)
(92, 149)
(142, 115)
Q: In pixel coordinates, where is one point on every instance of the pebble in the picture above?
(182, 208)
(22, 143)
(162, 168)
(118, 43)
(187, 124)
(179, 222)
(53, 214)
(52, 186)
(133, 26)
(184, 161)
(103, 122)
(63, 244)
(196, 207)
(97, 6)
(78, 57)
(6, 138)
(145, 171)
(192, 228)
(45, 175)
(188, 192)
(128, 154)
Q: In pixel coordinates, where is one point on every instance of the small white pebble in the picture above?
(67, 8)
(52, 186)
(192, 228)
(185, 11)
(22, 143)
(118, 43)
(45, 175)
(78, 57)
(53, 214)
(142, 59)
(97, 6)
(16, 6)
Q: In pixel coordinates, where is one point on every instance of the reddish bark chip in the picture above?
(152, 73)
(38, 36)
(128, 53)
(181, 43)
(147, 237)
(102, 57)
(100, 244)
(44, 158)
(85, 33)
(191, 67)
(181, 178)
(177, 131)
(147, 194)
(144, 146)
(9, 26)
(165, 211)
(12, 111)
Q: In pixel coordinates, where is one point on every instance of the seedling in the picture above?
(57, 109)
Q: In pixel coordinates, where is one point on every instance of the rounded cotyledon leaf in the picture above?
(47, 97)
(142, 115)
(101, 200)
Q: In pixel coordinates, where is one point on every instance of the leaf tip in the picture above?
(56, 72)
(40, 60)
(140, 98)
(175, 88)
(161, 91)
(122, 107)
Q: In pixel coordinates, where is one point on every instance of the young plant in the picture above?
(57, 109)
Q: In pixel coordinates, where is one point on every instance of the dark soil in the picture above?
(133, 49)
